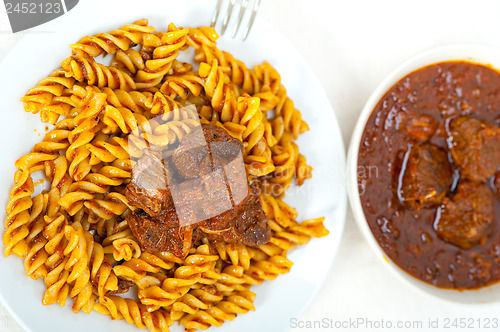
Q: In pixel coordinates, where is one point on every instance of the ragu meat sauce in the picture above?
(433, 202)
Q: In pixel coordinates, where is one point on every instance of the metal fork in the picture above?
(243, 6)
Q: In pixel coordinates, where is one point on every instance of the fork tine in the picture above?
(240, 16)
(228, 16)
(252, 19)
(216, 13)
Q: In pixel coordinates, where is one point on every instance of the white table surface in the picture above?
(351, 46)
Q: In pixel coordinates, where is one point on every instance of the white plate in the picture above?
(41, 51)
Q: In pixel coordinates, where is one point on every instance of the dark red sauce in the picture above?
(406, 234)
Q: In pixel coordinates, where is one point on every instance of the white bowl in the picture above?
(469, 52)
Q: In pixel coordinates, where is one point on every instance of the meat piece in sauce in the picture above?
(422, 127)
(198, 146)
(475, 147)
(211, 160)
(161, 234)
(465, 220)
(245, 221)
(427, 176)
(148, 188)
(205, 172)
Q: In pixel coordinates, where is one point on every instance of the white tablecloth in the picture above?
(351, 45)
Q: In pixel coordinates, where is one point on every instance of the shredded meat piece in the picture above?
(149, 189)
(245, 223)
(161, 234)
(201, 191)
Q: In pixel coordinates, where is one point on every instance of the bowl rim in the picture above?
(474, 53)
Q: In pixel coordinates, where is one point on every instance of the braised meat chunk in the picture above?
(427, 176)
(197, 148)
(209, 162)
(245, 223)
(161, 234)
(475, 147)
(202, 191)
(422, 126)
(149, 189)
(466, 219)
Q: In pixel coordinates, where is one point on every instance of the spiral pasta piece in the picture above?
(124, 249)
(129, 60)
(193, 301)
(171, 289)
(202, 36)
(225, 310)
(111, 42)
(102, 275)
(166, 50)
(108, 150)
(223, 96)
(48, 97)
(135, 101)
(18, 214)
(237, 254)
(171, 123)
(119, 308)
(86, 69)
